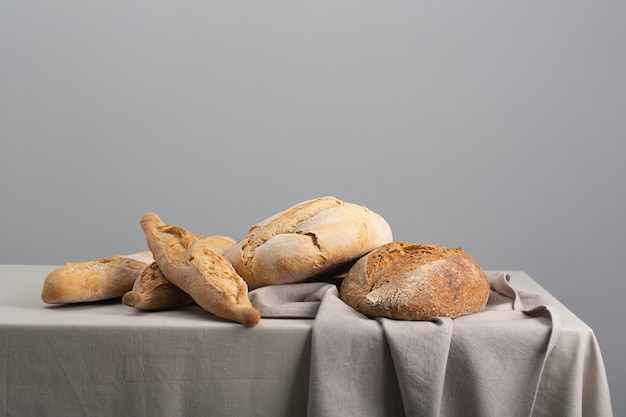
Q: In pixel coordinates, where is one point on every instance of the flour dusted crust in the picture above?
(408, 281)
(96, 280)
(306, 240)
(203, 273)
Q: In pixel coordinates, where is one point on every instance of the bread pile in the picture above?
(315, 239)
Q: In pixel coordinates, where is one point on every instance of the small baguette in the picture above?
(201, 272)
(153, 292)
(96, 280)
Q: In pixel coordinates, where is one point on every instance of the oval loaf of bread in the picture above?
(310, 238)
(409, 281)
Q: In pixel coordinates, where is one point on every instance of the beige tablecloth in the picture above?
(486, 364)
(106, 359)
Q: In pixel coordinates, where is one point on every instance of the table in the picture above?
(105, 358)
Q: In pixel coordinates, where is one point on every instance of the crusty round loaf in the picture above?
(409, 281)
(308, 239)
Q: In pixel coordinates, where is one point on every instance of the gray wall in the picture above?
(495, 126)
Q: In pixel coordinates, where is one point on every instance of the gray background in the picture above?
(495, 126)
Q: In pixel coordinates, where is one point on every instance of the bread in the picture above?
(100, 279)
(204, 274)
(409, 281)
(152, 291)
(218, 243)
(306, 240)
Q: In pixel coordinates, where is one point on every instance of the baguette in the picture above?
(201, 272)
(307, 240)
(409, 281)
(96, 280)
(152, 291)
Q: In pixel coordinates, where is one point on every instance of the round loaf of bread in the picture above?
(308, 239)
(409, 281)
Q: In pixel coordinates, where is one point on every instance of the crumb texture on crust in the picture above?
(397, 258)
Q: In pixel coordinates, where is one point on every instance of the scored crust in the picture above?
(201, 272)
(408, 281)
(306, 240)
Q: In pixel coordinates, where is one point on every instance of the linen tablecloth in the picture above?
(106, 359)
(483, 364)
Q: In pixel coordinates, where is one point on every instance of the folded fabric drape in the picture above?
(484, 364)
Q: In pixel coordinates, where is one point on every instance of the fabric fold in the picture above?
(486, 364)
(289, 300)
(419, 350)
(352, 373)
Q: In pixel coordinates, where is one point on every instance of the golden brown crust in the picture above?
(201, 272)
(408, 281)
(100, 279)
(217, 242)
(307, 240)
(153, 292)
